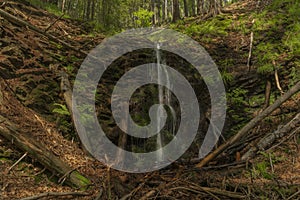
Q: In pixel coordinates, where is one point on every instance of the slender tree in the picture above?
(186, 9)
(193, 7)
(176, 10)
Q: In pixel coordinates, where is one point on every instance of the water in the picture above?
(164, 97)
(161, 101)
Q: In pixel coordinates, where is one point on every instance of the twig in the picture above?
(149, 194)
(195, 191)
(277, 78)
(271, 163)
(62, 179)
(239, 163)
(108, 184)
(40, 172)
(132, 193)
(3, 4)
(87, 43)
(56, 194)
(216, 191)
(99, 195)
(294, 195)
(42, 123)
(52, 24)
(18, 161)
(250, 52)
(282, 141)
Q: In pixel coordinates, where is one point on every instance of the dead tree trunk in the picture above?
(270, 138)
(37, 151)
(243, 132)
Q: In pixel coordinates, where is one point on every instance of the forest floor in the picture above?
(30, 65)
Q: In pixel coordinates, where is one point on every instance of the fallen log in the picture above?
(56, 194)
(270, 138)
(244, 131)
(66, 89)
(20, 22)
(37, 151)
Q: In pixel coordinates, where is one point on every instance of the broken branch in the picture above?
(244, 131)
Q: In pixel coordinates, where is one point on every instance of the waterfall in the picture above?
(164, 97)
(161, 101)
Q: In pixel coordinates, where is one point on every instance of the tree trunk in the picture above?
(88, 10)
(186, 9)
(193, 13)
(270, 138)
(37, 151)
(267, 94)
(176, 10)
(93, 10)
(200, 7)
(165, 10)
(158, 16)
(153, 10)
(63, 5)
(243, 132)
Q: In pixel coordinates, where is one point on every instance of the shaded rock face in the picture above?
(146, 96)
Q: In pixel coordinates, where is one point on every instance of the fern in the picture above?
(61, 109)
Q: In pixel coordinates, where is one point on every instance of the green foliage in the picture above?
(204, 30)
(279, 29)
(224, 65)
(238, 96)
(213, 27)
(292, 38)
(261, 169)
(63, 120)
(257, 100)
(271, 156)
(48, 6)
(295, 74)
(61, 109)
(143, 18)
(266, 54)
(69, 68)
(227, 77)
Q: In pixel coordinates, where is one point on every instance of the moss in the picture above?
(80, 181)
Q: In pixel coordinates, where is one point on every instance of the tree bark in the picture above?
(267, 94)
(243, 132)
(153, 10)
(200, 7)
(37, 151)
(193, 13)
(186, 9)
(165, 10)
(270, 138)
(88, 10)
(93, 10)
(158, 16)
(176, 10)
